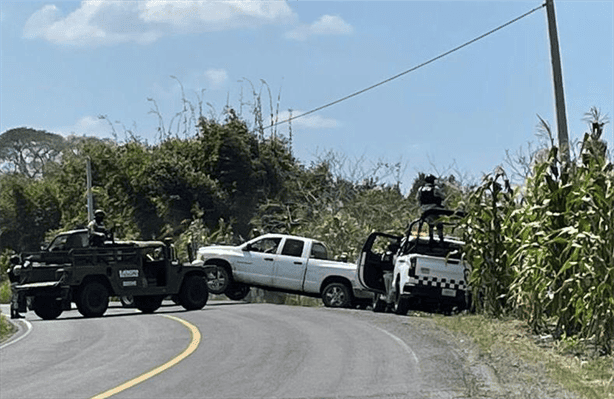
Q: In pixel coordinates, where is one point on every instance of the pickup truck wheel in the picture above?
(93, 299)
(237, 292)
(379, 305)
(336, 295)
(47, 308)
(401, 303)
(218, 280)
(193, 294)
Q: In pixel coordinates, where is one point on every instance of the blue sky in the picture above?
(64, 63)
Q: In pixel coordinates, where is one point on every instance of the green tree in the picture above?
(28, 209)
(27, 151)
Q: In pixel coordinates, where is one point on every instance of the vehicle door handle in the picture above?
(298, 263)
(269, 259)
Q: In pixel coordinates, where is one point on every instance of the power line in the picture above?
(409, 70)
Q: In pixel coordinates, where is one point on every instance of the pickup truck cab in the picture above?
(421, 273)
(284, 263)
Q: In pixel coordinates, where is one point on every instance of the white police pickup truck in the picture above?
(415, 271)
(284, 263)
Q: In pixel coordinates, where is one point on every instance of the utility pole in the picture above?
(90, 197)
(557, 74)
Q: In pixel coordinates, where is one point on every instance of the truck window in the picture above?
(80, 240)
(318, 251)
(59, 244)
(266, 245)
(293, 247)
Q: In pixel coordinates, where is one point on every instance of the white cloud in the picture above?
(110, 22)
(312, 121)
(88, 126)
(214, 15)
(215, 77)
(326, 25)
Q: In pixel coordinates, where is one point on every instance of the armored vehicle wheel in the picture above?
(218, 280)
(92, 299)
(193, 294)
(47, 308)
(336, 295)
(148, 304)
(237, 291)
(127, 301)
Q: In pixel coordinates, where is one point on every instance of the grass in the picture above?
(6, 328)
(568, 363)
(5, 292)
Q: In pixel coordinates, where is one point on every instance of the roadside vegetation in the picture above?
(513, 349)
(539, 234)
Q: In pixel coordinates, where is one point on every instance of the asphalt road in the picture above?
(235, 350)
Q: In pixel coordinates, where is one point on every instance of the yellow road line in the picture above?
(187, 352)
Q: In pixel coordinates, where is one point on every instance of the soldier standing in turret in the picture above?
(97, 230)
(430, 196)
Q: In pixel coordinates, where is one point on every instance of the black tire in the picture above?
(127, 301)
(401, 303)
(218, 280)
(46, 307)
(149, 303)
(336, 295)
(379, 305)
(237, 291)
(93, 299)
(193, 294)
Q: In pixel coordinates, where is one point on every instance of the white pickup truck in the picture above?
(284, 263)
(415, 271)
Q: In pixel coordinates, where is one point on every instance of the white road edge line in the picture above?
(402, 343)
(11, 341)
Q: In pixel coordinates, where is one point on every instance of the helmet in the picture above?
(99, 212)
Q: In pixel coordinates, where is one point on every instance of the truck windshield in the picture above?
(69, 241)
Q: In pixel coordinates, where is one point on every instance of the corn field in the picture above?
(544, 252)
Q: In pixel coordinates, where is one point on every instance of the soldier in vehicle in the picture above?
(430, 196)
(97, 230)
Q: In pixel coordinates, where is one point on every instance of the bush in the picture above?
(5, 292)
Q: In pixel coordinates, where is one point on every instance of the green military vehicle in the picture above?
(71, 270)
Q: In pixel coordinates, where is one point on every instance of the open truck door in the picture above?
(376, 263)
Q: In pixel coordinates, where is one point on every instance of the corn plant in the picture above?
(546, 252)
(566, 258)
(490, 209)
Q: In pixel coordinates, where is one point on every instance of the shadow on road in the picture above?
(164, 309)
